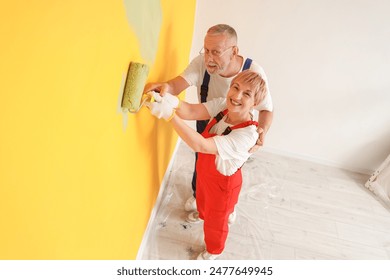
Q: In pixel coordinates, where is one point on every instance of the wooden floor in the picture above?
(288, 209)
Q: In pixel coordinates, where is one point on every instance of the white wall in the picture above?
(328, 64)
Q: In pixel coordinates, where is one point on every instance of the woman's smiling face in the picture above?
(240, 97)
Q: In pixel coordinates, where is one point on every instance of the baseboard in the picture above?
(158, 201)
(318, 160)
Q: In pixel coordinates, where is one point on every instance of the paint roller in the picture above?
(137, 74)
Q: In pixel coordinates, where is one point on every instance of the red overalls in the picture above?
(216, 193)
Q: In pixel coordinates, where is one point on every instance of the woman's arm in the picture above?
(172, 109)
(193, 139)
(188, 111)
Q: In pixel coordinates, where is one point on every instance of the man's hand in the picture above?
(259, 142)
(162, 88)
(265, 120)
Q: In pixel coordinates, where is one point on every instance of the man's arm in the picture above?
(265, 121)
(174, 86)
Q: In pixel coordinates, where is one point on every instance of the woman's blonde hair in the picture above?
(256, 82)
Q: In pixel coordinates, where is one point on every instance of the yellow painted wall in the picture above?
(73, 183)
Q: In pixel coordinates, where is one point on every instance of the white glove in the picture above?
(161, 110)
(171, 99)
(157, 97)
(163, 107)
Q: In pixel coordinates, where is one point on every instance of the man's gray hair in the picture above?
(223, 29)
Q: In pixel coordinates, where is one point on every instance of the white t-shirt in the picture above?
(232, 148)
(218, 85)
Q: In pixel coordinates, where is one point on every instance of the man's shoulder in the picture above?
(194, 71)
(198, 61)
(255, 66)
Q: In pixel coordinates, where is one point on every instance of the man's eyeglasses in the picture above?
(214, 53)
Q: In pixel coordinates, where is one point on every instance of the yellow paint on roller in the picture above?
(135, 82)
